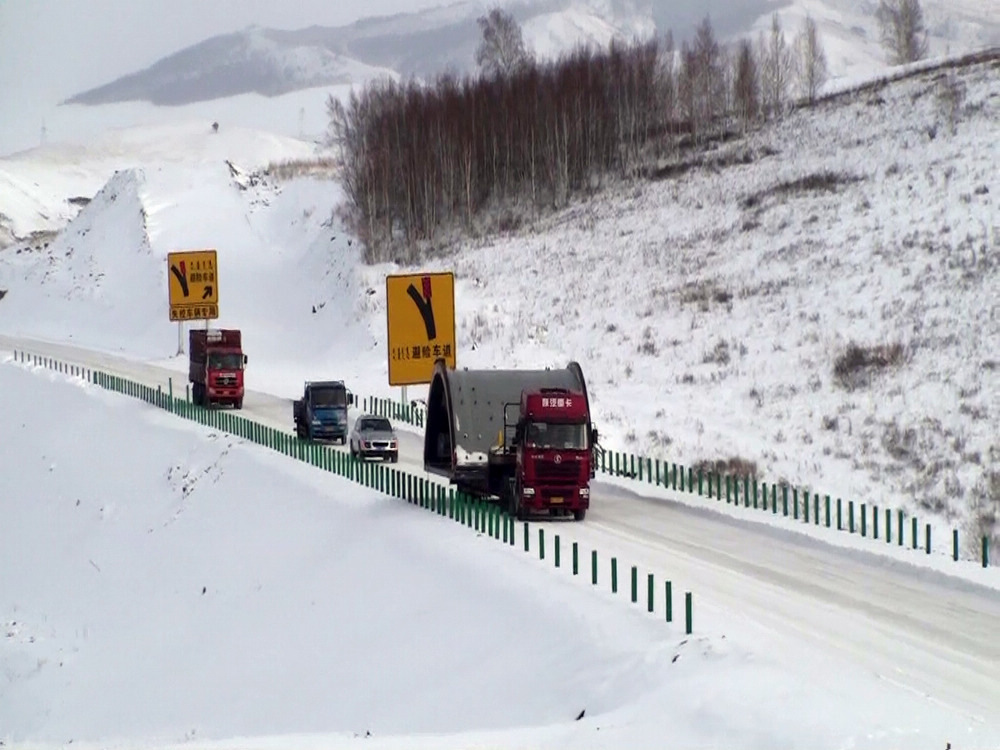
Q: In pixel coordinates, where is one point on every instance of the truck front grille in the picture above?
(226, 381)
(549, 472)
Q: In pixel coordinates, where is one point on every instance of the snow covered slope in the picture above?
(168, 585)
(42, 188)
(708, 311)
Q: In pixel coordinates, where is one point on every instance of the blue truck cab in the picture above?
(321, 413)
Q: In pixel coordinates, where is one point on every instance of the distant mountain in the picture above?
(272, 62)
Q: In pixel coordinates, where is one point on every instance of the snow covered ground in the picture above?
(170, 585)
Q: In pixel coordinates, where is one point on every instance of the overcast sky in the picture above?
(51, 49)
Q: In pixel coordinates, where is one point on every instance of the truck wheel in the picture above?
(238, 404)
(579, 515)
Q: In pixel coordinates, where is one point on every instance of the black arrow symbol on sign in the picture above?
(207, 293)
(426, 311)
(181, 274)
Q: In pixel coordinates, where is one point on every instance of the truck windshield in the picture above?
(329, 397)
(227, 361)
(555, 435)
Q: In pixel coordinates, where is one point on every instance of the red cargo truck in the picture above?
(215, 366)
(523, 438)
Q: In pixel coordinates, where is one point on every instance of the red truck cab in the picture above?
(554, 443)
(215, 366)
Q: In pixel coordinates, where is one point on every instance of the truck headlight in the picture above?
(528, 491)
(585, 492)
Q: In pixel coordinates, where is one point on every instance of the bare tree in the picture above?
(746, 84)
(904, 34)
(501, 49)
(776, 68)
(812, 60)
(709, 93)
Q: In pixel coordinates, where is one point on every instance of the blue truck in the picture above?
(321, 413)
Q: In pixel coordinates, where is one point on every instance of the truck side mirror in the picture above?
(350, 398)
(593, 436)
(244, 359)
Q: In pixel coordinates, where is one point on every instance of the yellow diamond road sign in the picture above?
(420, 315)
(193, 285)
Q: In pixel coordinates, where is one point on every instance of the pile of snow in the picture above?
(169, 584)
(42, 188)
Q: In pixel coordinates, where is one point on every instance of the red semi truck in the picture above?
(552, 451)
(215, 366)
(520, 437)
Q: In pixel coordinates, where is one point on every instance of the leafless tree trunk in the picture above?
(746, 84)
(904, 35)
(812, 60)
(776, 68)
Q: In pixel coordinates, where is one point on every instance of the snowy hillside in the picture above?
(428, 42)
(41, 189)
(171, 585)
(709, 310)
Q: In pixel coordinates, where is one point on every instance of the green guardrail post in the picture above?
(888, 525)
(576, 559)
(614, 575)
(927, 537)
(635, 584)
(805, 503)
(954, 544)
(541, 544)
(901, 527)
(649, 592)
(700, 478)
(669, 600)
(986, 551)
(526, 537)
(593, 567)
(784, 499)
(555, 550)
(795, 503)
(874, 522)
(688, 613)
(828, 512)
(718, 487)
(864, 519)
(729, 490)
(840, 514)
(914, 527)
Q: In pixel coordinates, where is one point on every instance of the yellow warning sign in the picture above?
(193, 285)
(420, 316)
